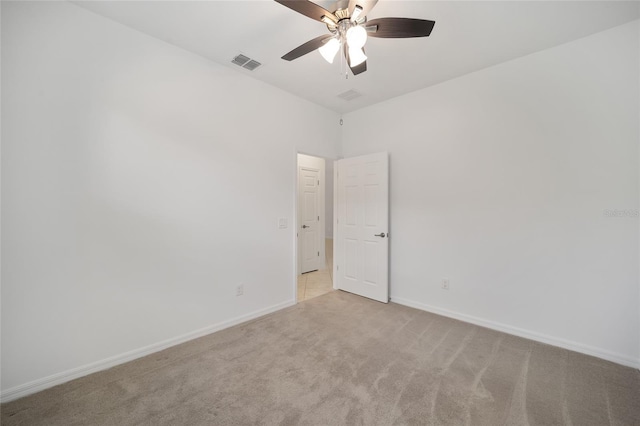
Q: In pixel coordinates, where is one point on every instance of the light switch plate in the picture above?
(283, 223)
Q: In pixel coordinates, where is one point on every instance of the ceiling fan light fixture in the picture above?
(348, 27)
(356, 37)
(356, 56)
(330, 49)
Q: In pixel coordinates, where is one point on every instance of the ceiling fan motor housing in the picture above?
(344, 21)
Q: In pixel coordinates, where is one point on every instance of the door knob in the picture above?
(382, 235)
(305, 226)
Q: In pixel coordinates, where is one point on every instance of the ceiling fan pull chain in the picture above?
(341, 60)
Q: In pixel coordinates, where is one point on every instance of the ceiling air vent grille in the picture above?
(349, 95)
(251, 65)
(246, 62)
(240, 60)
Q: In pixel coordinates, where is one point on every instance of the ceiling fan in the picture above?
(349, 28)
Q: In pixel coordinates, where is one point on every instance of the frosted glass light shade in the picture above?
(356, 37)
(329, 50)
(356, 13)
(356, 56)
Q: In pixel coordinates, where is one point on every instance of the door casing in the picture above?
(312, 162)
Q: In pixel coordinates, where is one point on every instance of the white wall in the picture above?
(140, 185)
(499, 182)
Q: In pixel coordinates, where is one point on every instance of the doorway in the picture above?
(314, 231)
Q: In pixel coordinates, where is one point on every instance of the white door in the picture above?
(362, 223)
(309, 228)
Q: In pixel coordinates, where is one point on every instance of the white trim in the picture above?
(65, 376)
(527, 334)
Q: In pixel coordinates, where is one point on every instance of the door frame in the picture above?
(296, 255)
(321, 210)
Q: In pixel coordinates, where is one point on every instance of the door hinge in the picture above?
(318, 218)
(318, 253)
(318, 183)
(337, 267)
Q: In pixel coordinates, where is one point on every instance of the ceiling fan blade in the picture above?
(358, 69)
(309, 9)
(307, 47)
(366, 6)
(400, 27)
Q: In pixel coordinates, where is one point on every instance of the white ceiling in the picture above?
(468, 36)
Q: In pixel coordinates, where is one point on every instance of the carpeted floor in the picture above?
(342, 359)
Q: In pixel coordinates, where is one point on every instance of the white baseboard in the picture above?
(527, 334)
(65, 376)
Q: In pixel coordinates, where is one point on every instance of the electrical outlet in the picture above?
(445, 283)
(240, 290)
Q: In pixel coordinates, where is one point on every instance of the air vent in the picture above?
(349, 95)
(246, 62)
(240, 60)
(251, 65)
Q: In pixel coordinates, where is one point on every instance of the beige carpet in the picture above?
(340, 359)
